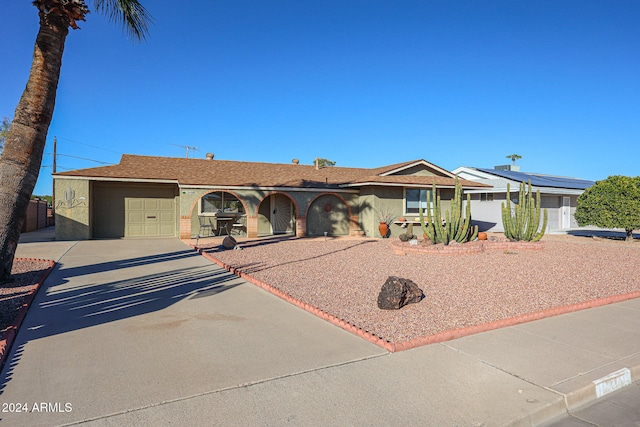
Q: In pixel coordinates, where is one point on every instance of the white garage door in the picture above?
(149, 217)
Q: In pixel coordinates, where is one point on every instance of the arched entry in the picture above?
(328, 213)
(224, 211)
(276, 215)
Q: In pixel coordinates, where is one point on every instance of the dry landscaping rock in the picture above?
(398, 292)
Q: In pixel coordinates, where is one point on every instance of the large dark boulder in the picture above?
(229, 243)
(398, 292)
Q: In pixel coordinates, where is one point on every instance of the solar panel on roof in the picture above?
(541, 180)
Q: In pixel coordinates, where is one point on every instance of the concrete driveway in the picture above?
(126, 324)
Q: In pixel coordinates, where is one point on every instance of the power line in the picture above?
(58, 166)
(88, 145)
(81, 158)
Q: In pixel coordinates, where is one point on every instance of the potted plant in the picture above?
(385, 217)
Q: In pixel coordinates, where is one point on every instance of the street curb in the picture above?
(12, 330)
(574, 399)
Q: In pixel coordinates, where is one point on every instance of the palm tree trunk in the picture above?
(22, 156)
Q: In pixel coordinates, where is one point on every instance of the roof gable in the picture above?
(414, 167)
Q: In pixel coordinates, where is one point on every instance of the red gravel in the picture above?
(14, 295)
(343, 278)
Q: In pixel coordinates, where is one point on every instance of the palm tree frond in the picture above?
(134, 17)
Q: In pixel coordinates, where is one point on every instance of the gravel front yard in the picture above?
(343, 277)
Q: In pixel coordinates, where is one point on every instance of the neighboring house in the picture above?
(161, 196)
(559, 195)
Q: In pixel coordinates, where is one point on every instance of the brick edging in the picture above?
(12, 329)
(429, 339)
(402, 248)
(512, 321)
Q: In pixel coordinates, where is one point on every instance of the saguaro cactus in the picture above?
(524, 222)
(454, 226)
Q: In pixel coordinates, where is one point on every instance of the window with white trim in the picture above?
(219, 203)
(414, 198)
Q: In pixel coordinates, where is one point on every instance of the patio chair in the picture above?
(205, 226)
(238, 226)
(222, 225)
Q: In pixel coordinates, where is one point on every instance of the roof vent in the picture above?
(295, 161)
(514, 168)
(209, 156)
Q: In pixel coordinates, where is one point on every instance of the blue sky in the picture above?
(364, 83)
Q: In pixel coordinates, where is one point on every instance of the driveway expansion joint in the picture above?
(230, 388)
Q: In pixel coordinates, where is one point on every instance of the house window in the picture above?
(220, 202)
(486, 197)
(414, 198)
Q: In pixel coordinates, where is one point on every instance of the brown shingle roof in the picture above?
(252, 174)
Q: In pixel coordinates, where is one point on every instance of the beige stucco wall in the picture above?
(372, 199)
(366, 208)
(328, 214)
(72, 214)
(419, 170)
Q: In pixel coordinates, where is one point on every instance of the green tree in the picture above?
(611, 203)
(4, 131)
(514, 157)
(22, 156)
(324, 162)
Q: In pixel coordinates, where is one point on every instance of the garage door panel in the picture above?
(135, 230)
(151, 229)
(151, 204)
(150, 218)
(133, 204)
(166, 205)
(166, 229)
(135, 217)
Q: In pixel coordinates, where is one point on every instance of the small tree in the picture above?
(514, 157)
(611, 203)
(321, 163)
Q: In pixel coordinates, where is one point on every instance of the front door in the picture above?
(566, 212)
(281, 214)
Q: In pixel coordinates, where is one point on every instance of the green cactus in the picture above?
(524, 222)
(455, 227)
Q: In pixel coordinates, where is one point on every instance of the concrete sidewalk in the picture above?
(147, 332)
